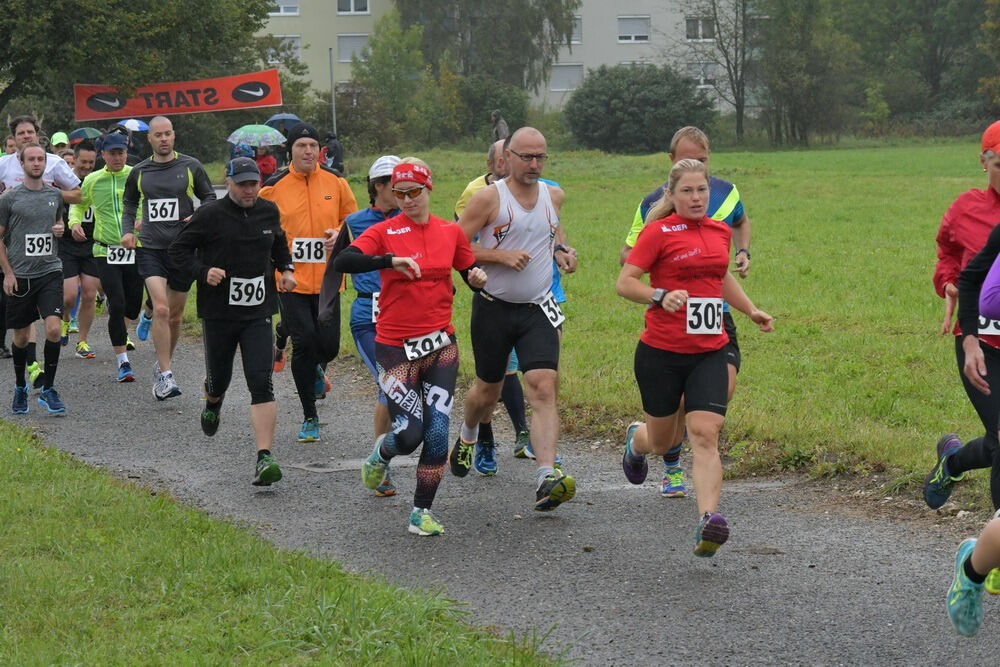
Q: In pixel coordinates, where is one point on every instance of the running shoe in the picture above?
(129, 345)
(310, 430)
(522, 447)
(142, 329)
(5, 352)
(635, 466)
(965, 597)
(486, 458)
(74, 324)
(461, 457)
(993, 581)
(99, 304)
(166, 387)
(125, 373)
(279, 359)
(83, 350)
(267, 471)
(36, 376)
(423, 523)
(672, 485)
(321, 383)
(938, 483)
(374, 469)
(210, 418)
(19, 406)
(554, 491)
(385, 488)
(712, 533)
(50, 399)
(63, 333)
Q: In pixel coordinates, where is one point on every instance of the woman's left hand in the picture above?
(764, 321)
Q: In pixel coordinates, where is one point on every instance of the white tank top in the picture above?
(518, 229)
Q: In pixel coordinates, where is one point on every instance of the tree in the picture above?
(391, 65)
(515, 42)
(625, 109)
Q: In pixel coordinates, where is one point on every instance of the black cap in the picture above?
(113, 141)
(242, 169)
(302, 130)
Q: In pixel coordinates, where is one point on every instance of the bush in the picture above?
(481, 95)
(625, 109)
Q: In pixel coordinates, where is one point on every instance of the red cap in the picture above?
(991, 138)
(413, 173)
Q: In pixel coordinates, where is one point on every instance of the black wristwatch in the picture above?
(658, 295)
(558, 248)
(746, 250)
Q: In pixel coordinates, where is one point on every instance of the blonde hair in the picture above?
(664, 206)
(692, 134)
(414, 160)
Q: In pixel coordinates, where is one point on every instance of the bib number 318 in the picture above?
(246, 291)
(421, 346)
(308, 251)
(704, 316)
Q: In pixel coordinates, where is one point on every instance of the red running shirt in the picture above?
(409, 308)
(692, 255)
(964, 229)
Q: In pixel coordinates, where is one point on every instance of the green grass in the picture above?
(94, 571)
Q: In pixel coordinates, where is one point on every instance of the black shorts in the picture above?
(256, 342)
(35, 298)
(732, 348)
(499, 327)
(156, 262)
(663, 377)
(77, 259)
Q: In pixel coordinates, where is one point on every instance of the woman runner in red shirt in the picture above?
(680, 355)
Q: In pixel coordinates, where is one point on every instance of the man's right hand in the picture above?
(9, 283)
(516, 259)
(128, 241)
(78, 233)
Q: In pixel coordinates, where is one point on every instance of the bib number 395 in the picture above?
(552, 310)
(421, 346)
(988, 327)
(246, 291)
(704, 316)
(37, 245)
(120, 255)
(308, 251)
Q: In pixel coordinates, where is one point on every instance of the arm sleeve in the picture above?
(130, 202)
(949, 252)
(970, 280)
(637, 225)
(280, 255)
(77, 211)
(352, 260)
(464, 259)
(182, 251)
(203, 185)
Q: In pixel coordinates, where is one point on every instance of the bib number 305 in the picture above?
(308, 251)
(421, 346)
(988, 327)
(37, 245)
(552, 310)
(704, 316)
(246, 291)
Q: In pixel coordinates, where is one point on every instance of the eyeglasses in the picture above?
(541, 157)
(412, 193)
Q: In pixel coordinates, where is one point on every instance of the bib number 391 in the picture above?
(375, 307)
(552, 310)
(421, 346)
(120, 255)
(37, 245)
(704, 316)
(308, 251)
(162, 210)
(246, 291)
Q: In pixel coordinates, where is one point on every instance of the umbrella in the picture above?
(256, 135)
(289, 118)
(134, 125)
(84, 133)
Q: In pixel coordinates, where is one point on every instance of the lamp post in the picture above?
(333, 93)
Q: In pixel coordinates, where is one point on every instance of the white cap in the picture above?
(383, 166)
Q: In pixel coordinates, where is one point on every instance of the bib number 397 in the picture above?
(308, 251)
(552, 310)
(988, 327)
(37, 245)
(120, 255)
(246, 291)
(421, 346)
(704, 316)
(162, 210)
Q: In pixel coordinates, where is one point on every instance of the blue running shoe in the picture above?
(125, 372)
(74, 325)
(320, 388)
(965, 597)
(672, 485)
(712, 533)
(635, 466)
(310, 430)
(50, 399)
(142, 329)
(19, 406)
(486, 458)
(939, 482)
(523, 450)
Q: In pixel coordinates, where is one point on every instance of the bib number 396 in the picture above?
(421, 346)
(704, 316)
(308, 251)
(162, 210)
(37, 245)
(246, 291)
(120, 255)
(552, 310)
(988, 327)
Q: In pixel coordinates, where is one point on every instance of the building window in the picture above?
(292, 41)
(577, 37)
(703, 73)
(284, 8)
(633, 28)
(635, 63)
(565, 77)
(352, 6)
(350, 45)
(700, 29)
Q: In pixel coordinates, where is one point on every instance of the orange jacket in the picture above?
(309, 205)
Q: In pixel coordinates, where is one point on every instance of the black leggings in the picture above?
(123, 289)
(984, 451)
(298, 319)
(254, 337)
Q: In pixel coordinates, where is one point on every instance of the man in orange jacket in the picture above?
(313, 201)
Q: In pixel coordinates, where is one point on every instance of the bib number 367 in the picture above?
(37, 245)
(552, 310)
(246, 291)
(162, 210)
(308, 251)
(704, 316)
(421, 346)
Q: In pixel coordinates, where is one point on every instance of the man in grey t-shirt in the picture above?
(30, 222)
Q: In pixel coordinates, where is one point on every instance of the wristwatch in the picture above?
(558, 248)
(658, 295)
(745, 250)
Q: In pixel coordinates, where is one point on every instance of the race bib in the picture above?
(988, 327)
(552, 310)
(37, 245)
(704, 316)
(162, 210)
(120, 255)
(308, 251)
(246, 291)
(88, 216)
(421, 346)
(375, 306)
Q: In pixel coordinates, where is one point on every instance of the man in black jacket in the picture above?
(233, 246)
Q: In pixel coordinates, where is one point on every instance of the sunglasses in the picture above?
(528, 157)
(412, 193)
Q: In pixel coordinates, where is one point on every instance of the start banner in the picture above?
(242, 91)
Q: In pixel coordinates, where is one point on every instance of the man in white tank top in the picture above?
(517, 220)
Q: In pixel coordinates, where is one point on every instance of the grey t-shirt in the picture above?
(26, 217)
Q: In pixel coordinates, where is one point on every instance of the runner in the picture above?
(383, 206)
(682, 350)
(724, 205)
(162, 187)
(80, 275)
(103, 193)
(231, 246)
(314, 201)
(30, 218)
(415, 348)
(517, 220)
